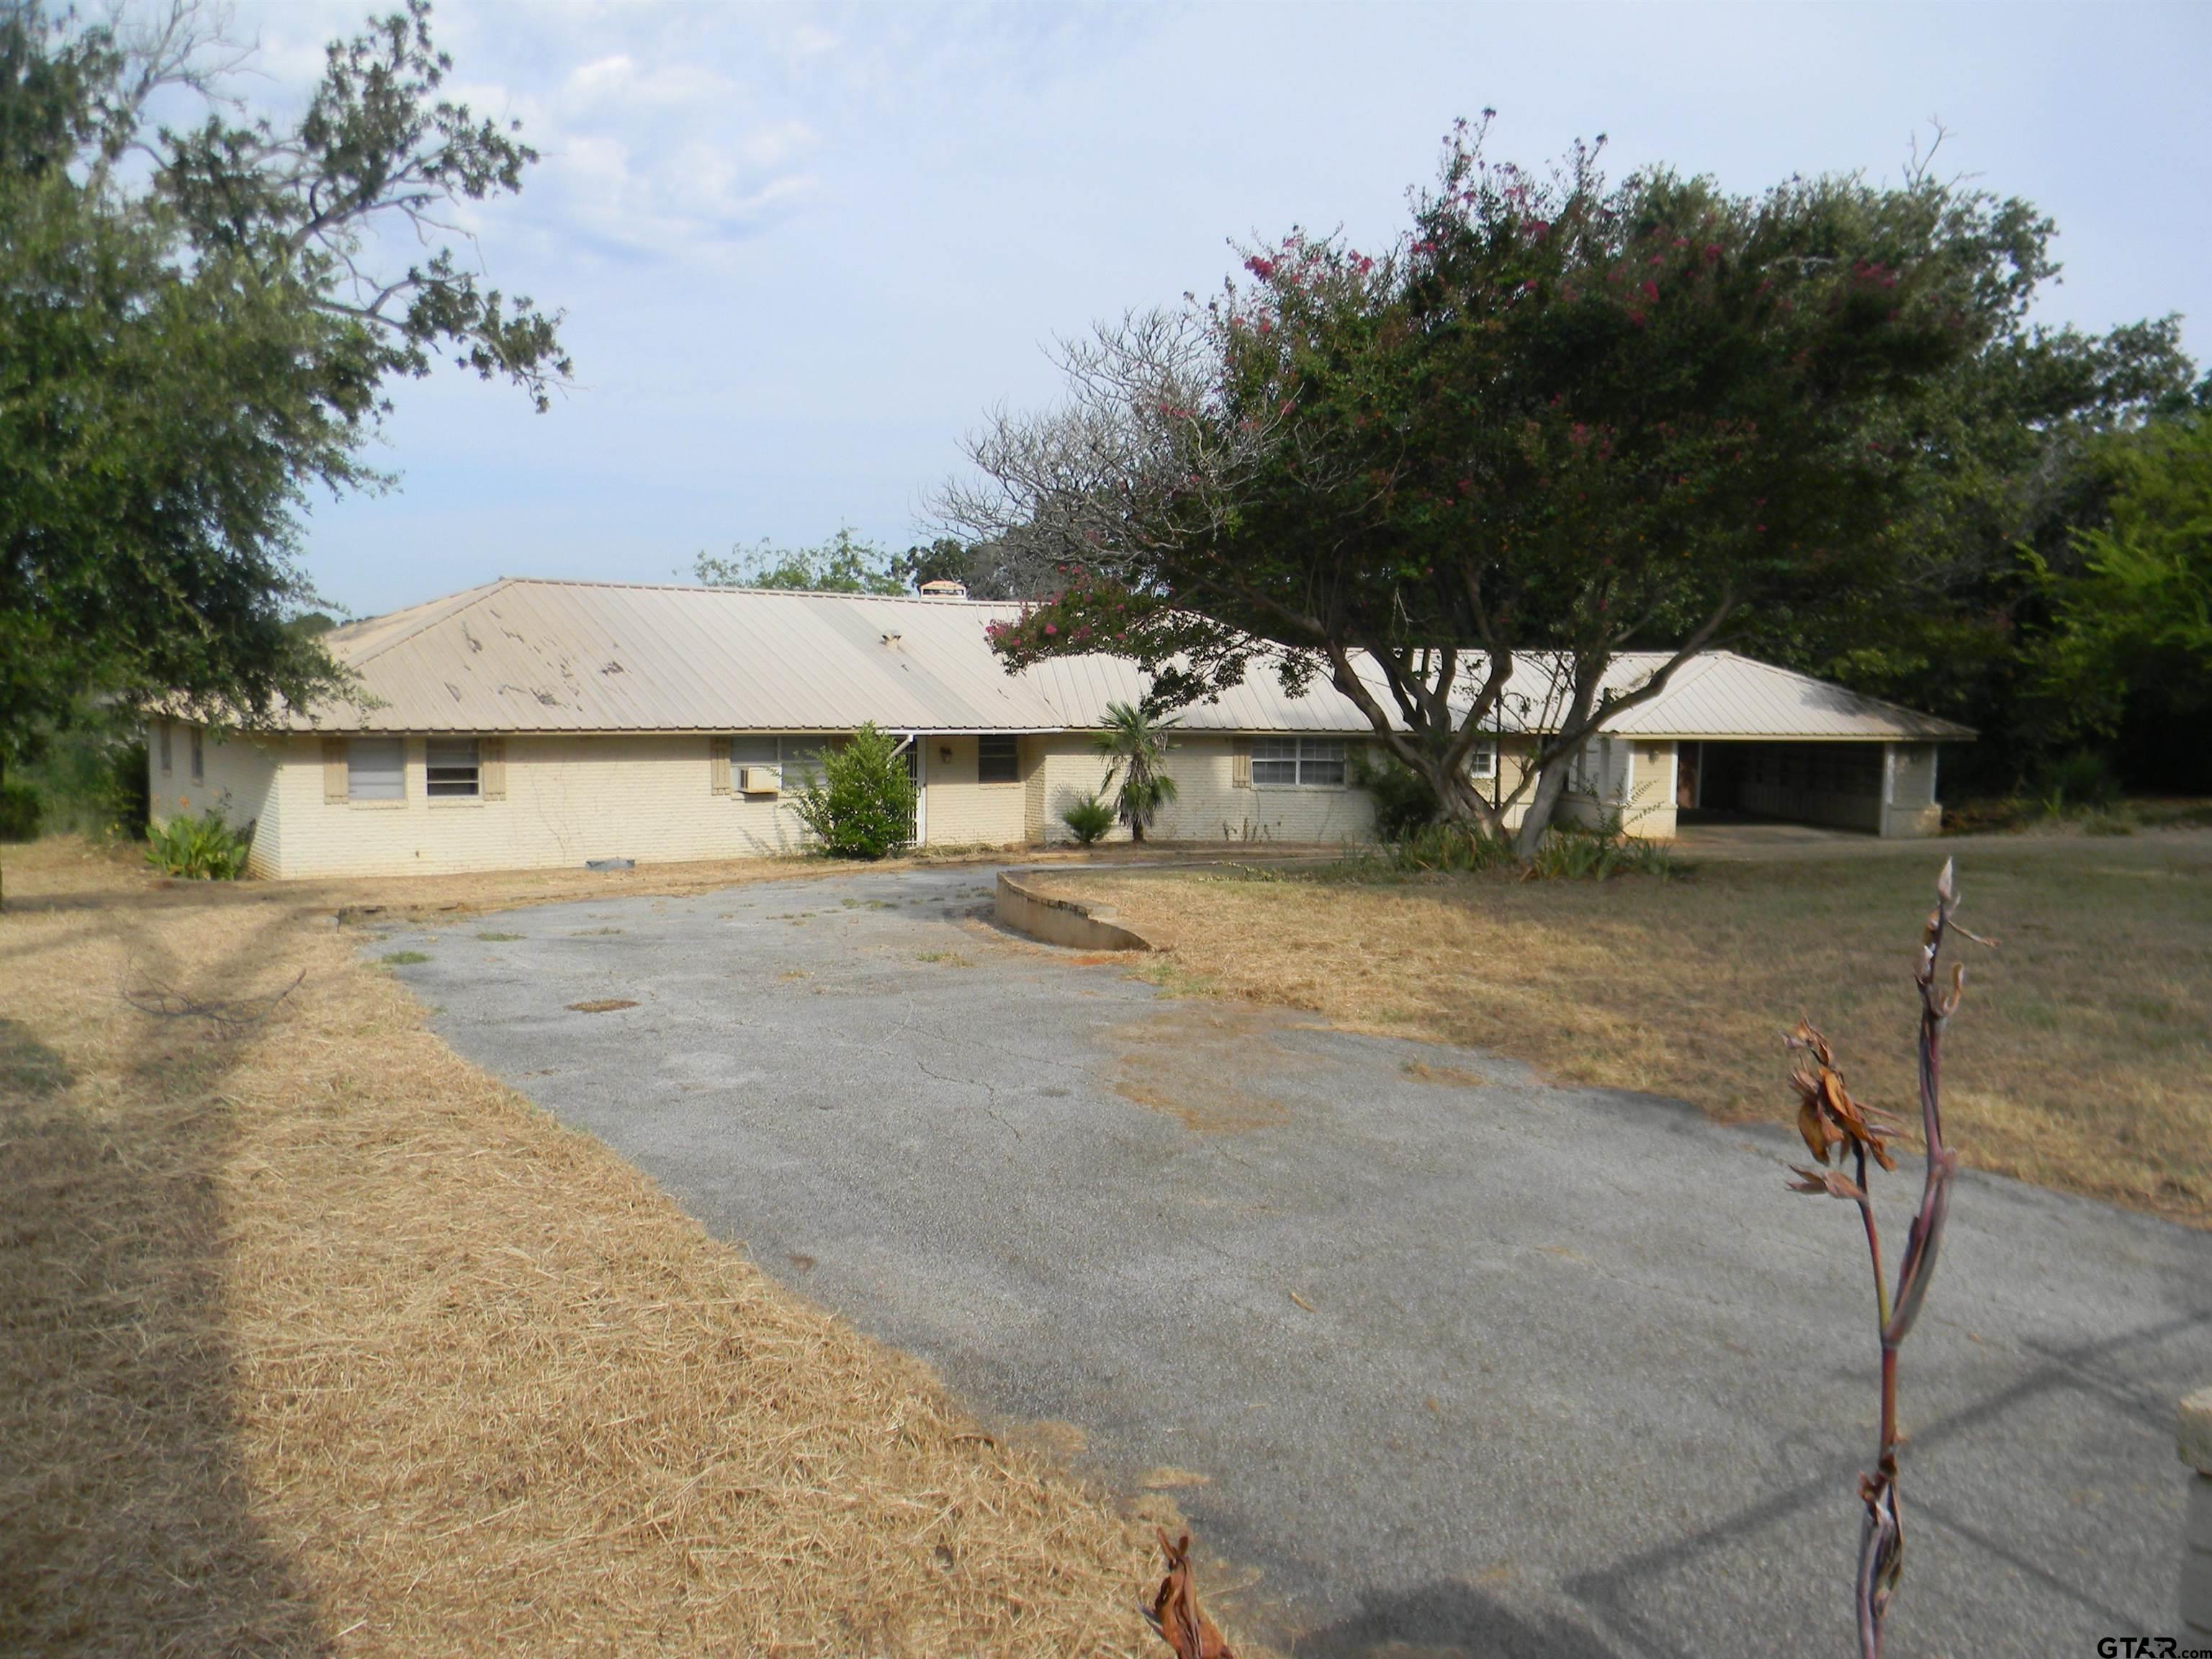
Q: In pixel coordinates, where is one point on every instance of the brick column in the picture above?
(2196, 1526)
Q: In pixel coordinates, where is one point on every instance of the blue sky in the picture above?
(802, 250)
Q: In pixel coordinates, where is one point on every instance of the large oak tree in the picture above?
(197, 327)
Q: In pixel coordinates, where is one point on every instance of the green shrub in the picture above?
(1453, 848)
(861, 805)
(1088, 820)
(19, 813)
(1577, 854)
(2082, 779)
(90, 780)
(204, 848)
(1404, 803)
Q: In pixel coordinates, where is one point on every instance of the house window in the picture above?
(1274, 760)
(796, 756)
(452, 769)
(802, 757)
(997, 760)
(1321, 760)
(199, 757)
(163, 727)
(376, 768)
(1277, 761)
(1483, 762)
(753, 749)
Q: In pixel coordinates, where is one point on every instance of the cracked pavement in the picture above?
(1438, 1358)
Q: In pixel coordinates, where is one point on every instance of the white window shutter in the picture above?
(334, 771)
(718, 765)
(491, 767)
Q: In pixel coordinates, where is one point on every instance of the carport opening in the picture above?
(1839, 786)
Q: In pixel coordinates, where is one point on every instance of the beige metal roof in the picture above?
(551, 656)
(1718, 694)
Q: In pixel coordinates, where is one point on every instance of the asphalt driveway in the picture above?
(1455, 1361)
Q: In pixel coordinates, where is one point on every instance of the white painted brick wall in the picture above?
(240, 782)
(1208, 806)
(964, 812)
(568, 799)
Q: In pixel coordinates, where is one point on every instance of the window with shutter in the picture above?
(451, 768)
(376, 768)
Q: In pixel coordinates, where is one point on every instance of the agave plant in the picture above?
(1840, 1130)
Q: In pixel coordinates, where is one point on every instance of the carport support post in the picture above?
(2196, 1520)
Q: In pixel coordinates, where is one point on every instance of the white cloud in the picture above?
(801, 249)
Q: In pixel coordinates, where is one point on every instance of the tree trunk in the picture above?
(1460, 798)
(1550, 784)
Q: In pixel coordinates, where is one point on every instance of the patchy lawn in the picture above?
(315, 1338)
(2079, 1059)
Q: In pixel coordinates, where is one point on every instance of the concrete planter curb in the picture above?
(1064, 921)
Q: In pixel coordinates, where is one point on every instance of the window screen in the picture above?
(376, 769)
(1483, 762)
(1274, 760)
(753, 749)
(1321, 760)
(1298, 760)
(451, 768)
(199, 756)
(997, 760)
(799, 754)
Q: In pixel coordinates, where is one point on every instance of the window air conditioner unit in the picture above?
(760, 780)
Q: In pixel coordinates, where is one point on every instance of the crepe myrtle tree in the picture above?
(1558, 416)
(198, 326)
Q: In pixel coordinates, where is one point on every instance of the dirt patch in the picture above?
(315, 1339)
(1454, 1077)
(1181, 1059)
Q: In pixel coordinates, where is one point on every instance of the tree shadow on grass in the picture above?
(126, 1520)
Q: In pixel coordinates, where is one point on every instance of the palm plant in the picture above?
(1137, 746)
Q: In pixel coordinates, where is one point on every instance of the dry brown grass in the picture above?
(315, 1338)
(2080, 1061)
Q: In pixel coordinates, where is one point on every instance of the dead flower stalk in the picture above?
(1834, 1125)
(1174, 1613)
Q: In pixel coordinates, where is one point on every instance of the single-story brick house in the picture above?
(534, 723)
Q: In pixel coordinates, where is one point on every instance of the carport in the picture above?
(1734, 738)
(1880, 788)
